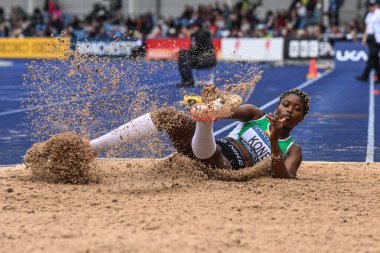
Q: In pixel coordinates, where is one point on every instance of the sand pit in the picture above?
(153, 206)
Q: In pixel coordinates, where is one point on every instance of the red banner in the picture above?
(169, 48)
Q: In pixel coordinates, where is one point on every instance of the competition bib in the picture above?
(256, 141)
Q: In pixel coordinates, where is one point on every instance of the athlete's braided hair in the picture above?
(303, 95)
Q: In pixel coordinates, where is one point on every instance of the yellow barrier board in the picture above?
(33, 47)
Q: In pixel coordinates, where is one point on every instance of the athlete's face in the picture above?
(291, 110)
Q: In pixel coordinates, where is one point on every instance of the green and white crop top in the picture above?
(254, 135)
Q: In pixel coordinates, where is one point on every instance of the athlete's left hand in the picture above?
(276, 124)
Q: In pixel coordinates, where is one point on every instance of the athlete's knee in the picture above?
(165, 118)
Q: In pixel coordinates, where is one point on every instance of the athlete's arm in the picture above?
(285, 167)
(282, 167)
(246, 112)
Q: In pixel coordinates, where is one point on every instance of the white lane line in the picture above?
(32, 108)
(6, 63)
(371, 121)
(273, 101)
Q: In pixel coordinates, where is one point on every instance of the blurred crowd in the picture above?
(303, 18)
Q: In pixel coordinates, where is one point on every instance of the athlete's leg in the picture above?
(204, 146)
(135, 130)
(179, 126)
(203, 142)
(189, 138)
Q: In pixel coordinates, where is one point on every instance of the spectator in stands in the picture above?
(4, 29)
(372, 38)
(220, 25)
(27, 30)
(56, 21)
(270, 21)
(301, 13)
(37, 17)
(335, 6)
(353, 28)
(245, 28)
(2, 14)
(292, 19)
(4, 24)
(243, 19)
(187, 13)
(259, 13)
(116, 5)
(200, 55)
(310, 6)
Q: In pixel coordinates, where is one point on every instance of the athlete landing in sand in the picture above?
(256, 137)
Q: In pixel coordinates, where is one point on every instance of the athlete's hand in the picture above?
(276, 123)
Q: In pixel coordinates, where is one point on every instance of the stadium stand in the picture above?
(303, 19)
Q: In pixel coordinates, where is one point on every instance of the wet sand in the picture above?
(139, 207)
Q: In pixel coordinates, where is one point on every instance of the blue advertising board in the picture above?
(350, 54)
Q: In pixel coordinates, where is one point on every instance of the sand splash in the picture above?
(179, 165)
(87, 96)
(64, 158)
(91, 95)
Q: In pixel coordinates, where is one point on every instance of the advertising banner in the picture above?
(350, 55)
(33, 47)
(299, 49)
(109, 48)
(168, 48)
(252, 49)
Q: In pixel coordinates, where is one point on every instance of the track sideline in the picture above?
(371, 120)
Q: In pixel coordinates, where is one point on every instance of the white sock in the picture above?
(135, 130)
(203, 142)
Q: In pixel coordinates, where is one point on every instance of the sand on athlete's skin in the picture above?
(158, 206)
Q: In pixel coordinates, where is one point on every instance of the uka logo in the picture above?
(351, 55)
